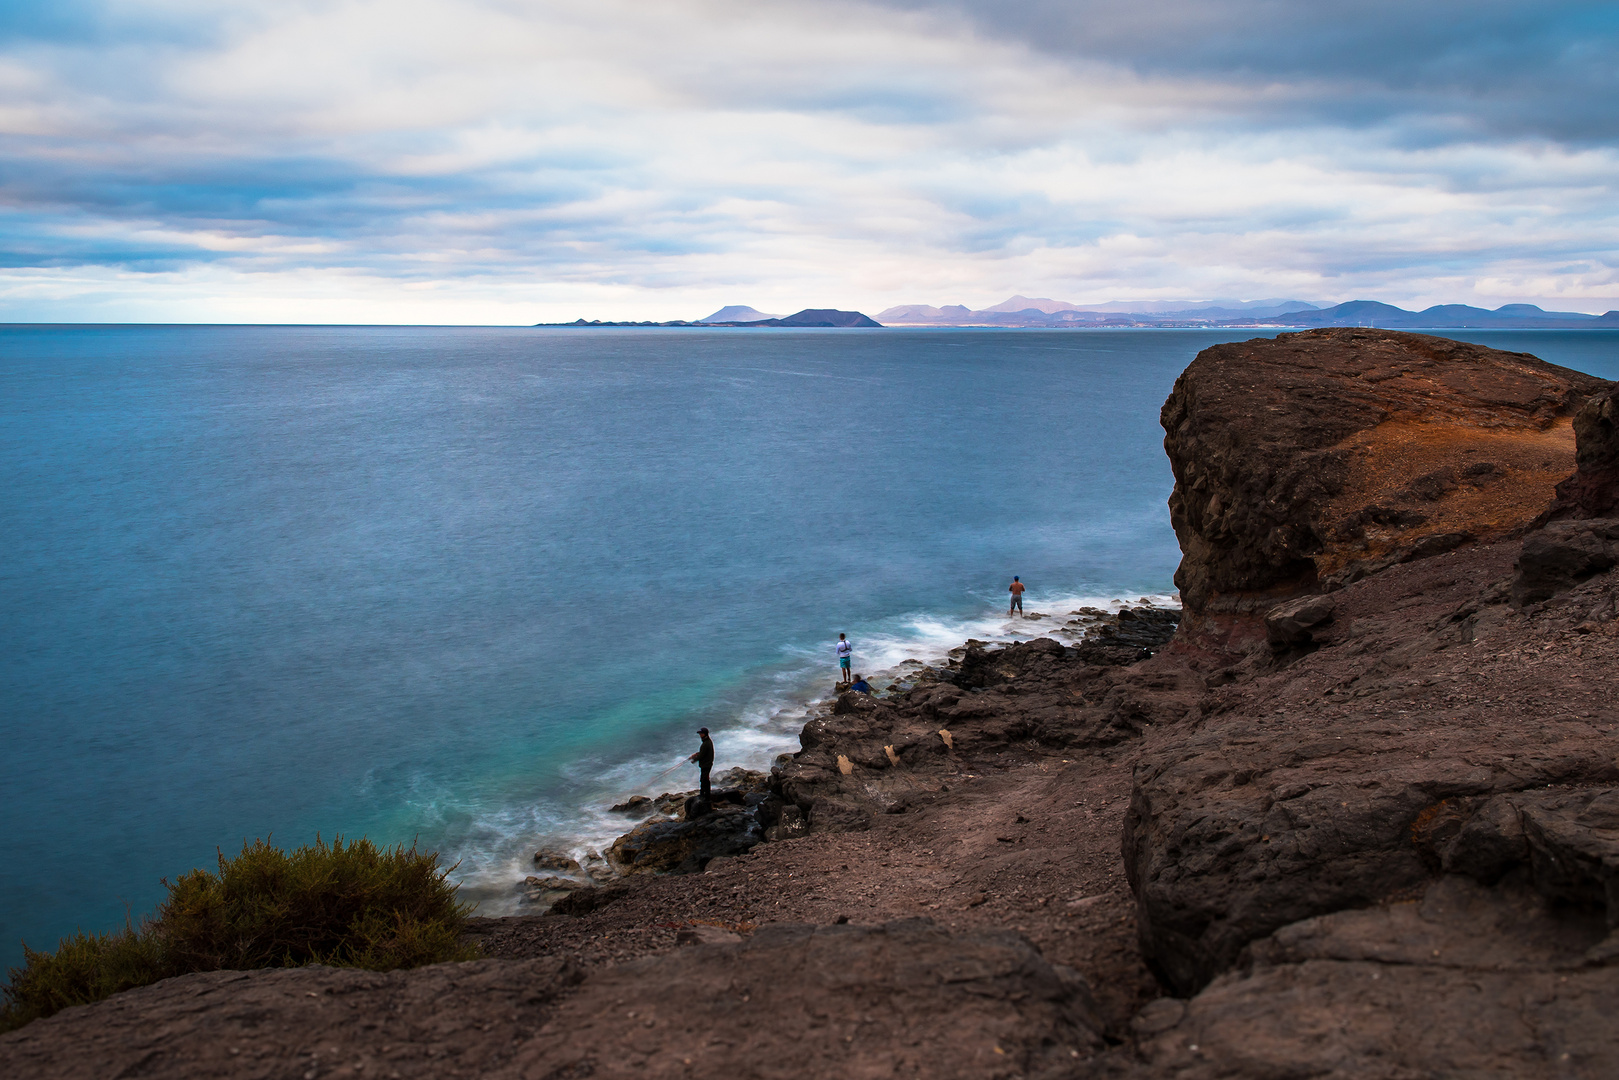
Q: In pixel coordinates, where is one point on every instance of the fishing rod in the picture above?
(666, 772)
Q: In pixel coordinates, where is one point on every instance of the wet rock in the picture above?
(552, 881)
(635, 805)
(546, 859)
(685, 847)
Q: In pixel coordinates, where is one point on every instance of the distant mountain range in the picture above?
(1024, 311)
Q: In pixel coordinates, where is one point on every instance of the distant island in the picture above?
(1022, 311)
(736, 315)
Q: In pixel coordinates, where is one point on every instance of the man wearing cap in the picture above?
(704, 758)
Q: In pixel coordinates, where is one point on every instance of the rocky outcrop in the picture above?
(1316, 457)
(1593, 490)
(685, 847)
(1563, 554)
(1396, 825)
(902, 998)
(877, 755)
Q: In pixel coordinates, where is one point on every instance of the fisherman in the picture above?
(704, 758)
(845, 658)
(1016, 589)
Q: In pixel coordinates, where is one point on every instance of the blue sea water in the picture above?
(467, 586)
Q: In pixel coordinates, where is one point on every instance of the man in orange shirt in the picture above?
(1016, 605)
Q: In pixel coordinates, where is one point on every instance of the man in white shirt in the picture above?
(845, 657)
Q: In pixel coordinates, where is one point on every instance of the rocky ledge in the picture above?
(1359, 818)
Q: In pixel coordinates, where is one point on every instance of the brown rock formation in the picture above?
(1394, 851)
(1593, 490)
(1320, 455)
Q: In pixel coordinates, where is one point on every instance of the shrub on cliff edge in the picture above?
(352, 905)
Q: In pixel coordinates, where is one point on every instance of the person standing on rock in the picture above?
(705, 760)
(845, 658)
(1016, 589)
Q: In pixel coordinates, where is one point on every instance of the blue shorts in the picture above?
(843, 662)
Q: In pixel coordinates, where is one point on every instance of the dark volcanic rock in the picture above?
(1593, 490)
(1296, 622)
(1563, 554)
(1465, 981)
(1266, 811)
(685, 847)
(1417, 739)
(904, 998)
(1323, 454)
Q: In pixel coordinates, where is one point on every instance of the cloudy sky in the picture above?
(512, 161)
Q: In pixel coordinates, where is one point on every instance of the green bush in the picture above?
(352, 905)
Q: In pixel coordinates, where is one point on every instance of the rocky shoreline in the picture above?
(1359, 817)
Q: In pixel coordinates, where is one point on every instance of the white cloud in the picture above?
(451, 160)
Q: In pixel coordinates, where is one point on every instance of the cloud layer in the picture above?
(520, 160)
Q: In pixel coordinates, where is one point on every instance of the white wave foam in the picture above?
(497, 852)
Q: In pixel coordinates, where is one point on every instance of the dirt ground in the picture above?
(1027, 840)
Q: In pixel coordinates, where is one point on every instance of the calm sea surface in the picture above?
(467, 586)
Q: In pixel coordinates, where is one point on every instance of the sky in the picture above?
(519, 161)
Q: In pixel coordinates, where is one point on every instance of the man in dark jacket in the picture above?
(704, 758)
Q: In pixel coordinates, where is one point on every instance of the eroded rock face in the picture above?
(1419, 737)
(1323, 455)
(1593, 490)
(1563, 554)
(1465, 981)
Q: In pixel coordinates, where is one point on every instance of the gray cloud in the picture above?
(1445, 68)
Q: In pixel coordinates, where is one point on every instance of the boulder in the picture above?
(685, 847)
(546, 859)
(1293, 624)
(584, 901)
(1562, 554)
(1308, 457)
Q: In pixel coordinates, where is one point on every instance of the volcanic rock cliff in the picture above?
(1317, 457)
(1358, 818)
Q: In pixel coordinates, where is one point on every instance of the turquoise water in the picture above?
(467, 585)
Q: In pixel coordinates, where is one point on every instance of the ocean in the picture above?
(466, 587)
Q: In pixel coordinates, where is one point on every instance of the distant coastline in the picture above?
(1023, 312)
